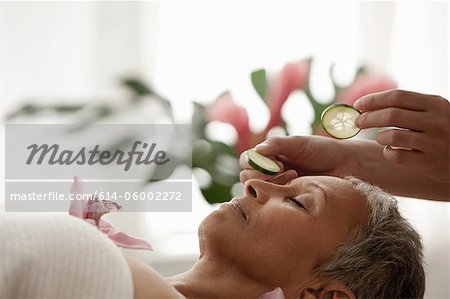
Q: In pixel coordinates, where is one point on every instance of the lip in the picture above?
(235, 204)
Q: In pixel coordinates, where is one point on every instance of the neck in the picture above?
(213, 279)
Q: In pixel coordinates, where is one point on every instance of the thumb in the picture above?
(289, 146)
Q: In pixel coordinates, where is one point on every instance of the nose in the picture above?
(259, 190)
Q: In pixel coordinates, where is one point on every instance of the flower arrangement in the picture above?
(220, 160)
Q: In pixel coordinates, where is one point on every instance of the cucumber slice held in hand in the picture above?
(262, 163)
(338, 120)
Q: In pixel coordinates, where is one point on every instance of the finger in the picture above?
(243, 162)
(272, 146)
(290, 146)
(402, 138)
(248, 174)
(393, 98)
(283, 177)
(403, 156)
(292, 165)
(392, 117)
(440, 122)
(277, 145)
(288, 163)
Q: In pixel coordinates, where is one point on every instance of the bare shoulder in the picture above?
(148, 283)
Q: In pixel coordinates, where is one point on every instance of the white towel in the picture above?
(59, 257)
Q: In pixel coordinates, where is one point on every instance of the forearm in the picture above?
(367, 162)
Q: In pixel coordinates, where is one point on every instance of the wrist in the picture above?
(352, 162)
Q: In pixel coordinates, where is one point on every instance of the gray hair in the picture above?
(384, 258)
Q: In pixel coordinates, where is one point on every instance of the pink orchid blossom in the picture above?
(275, 294)
(364, 84)
(225, 109)
(92, 209)
(293, 76)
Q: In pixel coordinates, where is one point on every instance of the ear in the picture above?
(327, 290)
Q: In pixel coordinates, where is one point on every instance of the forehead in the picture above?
(341, 195)
(328, 183)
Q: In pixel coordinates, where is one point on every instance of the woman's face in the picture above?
(277, 234)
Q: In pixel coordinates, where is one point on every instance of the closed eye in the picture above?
(296, 202)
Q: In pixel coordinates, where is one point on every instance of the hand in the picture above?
(420, 138)
(300, 155)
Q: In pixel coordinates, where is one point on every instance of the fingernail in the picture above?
(262, 146)
(292, 172)
(359, 104)
(358, 122)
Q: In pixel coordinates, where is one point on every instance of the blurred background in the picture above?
(57, 58)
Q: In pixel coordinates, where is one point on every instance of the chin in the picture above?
(212, 224)
(216, 233)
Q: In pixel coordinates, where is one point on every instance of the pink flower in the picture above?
(226, 110)
(293, 76)
(275, 294)
(364, 84)
(92, 209)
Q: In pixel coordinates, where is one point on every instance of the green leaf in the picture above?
(26, 109)
(67, 108)
(123, 143)
(259, 82)
(137, 86)
(222, 181)
(336, 86)
(317, 107)
(361, 70)
(207, 159)
(140, 90)
(104, 110)
(162, 172)
(217, 192)
(167, 106)
(198, 121)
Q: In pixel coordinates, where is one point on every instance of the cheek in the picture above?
(286, 244)
(284, 233)
(288, 232)
(283, 224)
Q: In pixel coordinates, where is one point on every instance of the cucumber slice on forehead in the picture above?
(338, 120)
(262, 163)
